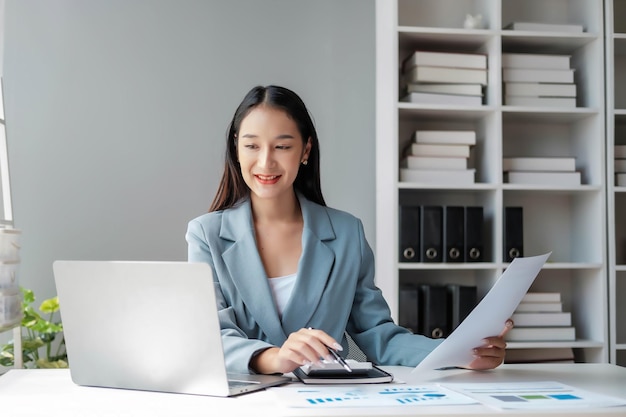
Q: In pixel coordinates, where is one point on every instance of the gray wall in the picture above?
(117, 111)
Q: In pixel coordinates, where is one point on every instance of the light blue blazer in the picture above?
(334, 289)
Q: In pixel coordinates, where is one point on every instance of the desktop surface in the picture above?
(26, 393)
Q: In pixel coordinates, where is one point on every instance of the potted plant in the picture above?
(43, 345)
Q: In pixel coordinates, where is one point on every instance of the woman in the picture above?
(292, 275)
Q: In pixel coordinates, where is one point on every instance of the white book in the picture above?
(435, 98)
(620, 165)
(620, 180)
(536, 61)
(446, 59)
(545, 27)
(439, 177)
(445, 137)
(426, 149)
(526, 75)
(543, 178)
(541, 297)
(543, 355)
(619, 151)
(542, 319)
(540, 101)
(538, 307)
(435, 163)
(446, 88)
(538, 164)
(539, 90)
(420, 74)
(541, 334)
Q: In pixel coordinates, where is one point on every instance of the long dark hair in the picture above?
(232, 188)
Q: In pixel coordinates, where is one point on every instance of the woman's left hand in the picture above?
(491, 354)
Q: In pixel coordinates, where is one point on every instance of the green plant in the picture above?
(40, 336)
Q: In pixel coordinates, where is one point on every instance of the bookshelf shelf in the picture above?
(546, 43)
(570, 221)
(552, 189)
(447, 266)
(445, 188)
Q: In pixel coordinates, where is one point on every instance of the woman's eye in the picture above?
(283, 147)
(250, 146)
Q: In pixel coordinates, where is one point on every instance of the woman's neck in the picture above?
(283, 209)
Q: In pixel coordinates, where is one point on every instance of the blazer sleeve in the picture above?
(370, 323)
(238, 348)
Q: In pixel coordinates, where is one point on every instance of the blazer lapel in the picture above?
(247, 272)
(314, 268)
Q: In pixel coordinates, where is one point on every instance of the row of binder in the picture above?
(441, 233)
(435, 310)
(454, 233)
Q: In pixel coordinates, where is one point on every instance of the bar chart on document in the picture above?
(369, 396)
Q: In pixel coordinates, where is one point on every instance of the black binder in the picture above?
(474, 223)
(513, 233)
(409, 233)
(433, 311)
(432, 233)
(454, 241)
(409, 308)
(461, 301)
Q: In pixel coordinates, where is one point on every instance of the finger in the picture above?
(488, 351)
(310, 345)
(487, 358)
(326, 339)
(494, 341)
(483, 363)
(508, 325)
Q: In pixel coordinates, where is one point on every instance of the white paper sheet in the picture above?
(488, 317)
(366, 395)
(534, 395)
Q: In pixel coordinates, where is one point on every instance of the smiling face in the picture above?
(270, 150)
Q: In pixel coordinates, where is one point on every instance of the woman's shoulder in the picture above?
(335, 215)
(341, 215)
(206, 222)
(208, 218)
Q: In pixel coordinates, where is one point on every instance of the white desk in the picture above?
(51, 393)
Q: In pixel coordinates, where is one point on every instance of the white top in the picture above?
(282, 287)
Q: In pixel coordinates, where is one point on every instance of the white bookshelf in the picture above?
(6, 220)
(569, 221)
(616, 201)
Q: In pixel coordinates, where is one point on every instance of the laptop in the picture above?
(146, 326)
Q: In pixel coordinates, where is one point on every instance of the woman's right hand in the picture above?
(306, 346)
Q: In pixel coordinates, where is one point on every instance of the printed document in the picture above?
(387, 395)
(488, 317)
(534, 395)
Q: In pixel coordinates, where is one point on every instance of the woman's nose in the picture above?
(266, 158)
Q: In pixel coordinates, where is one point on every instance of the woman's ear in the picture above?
(307, 149)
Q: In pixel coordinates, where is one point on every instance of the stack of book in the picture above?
(540, 317)
(620, 165)
(541, 171)
(538, 80)
(444, 78)
(439, 157)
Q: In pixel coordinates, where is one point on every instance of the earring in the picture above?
(305, 162)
